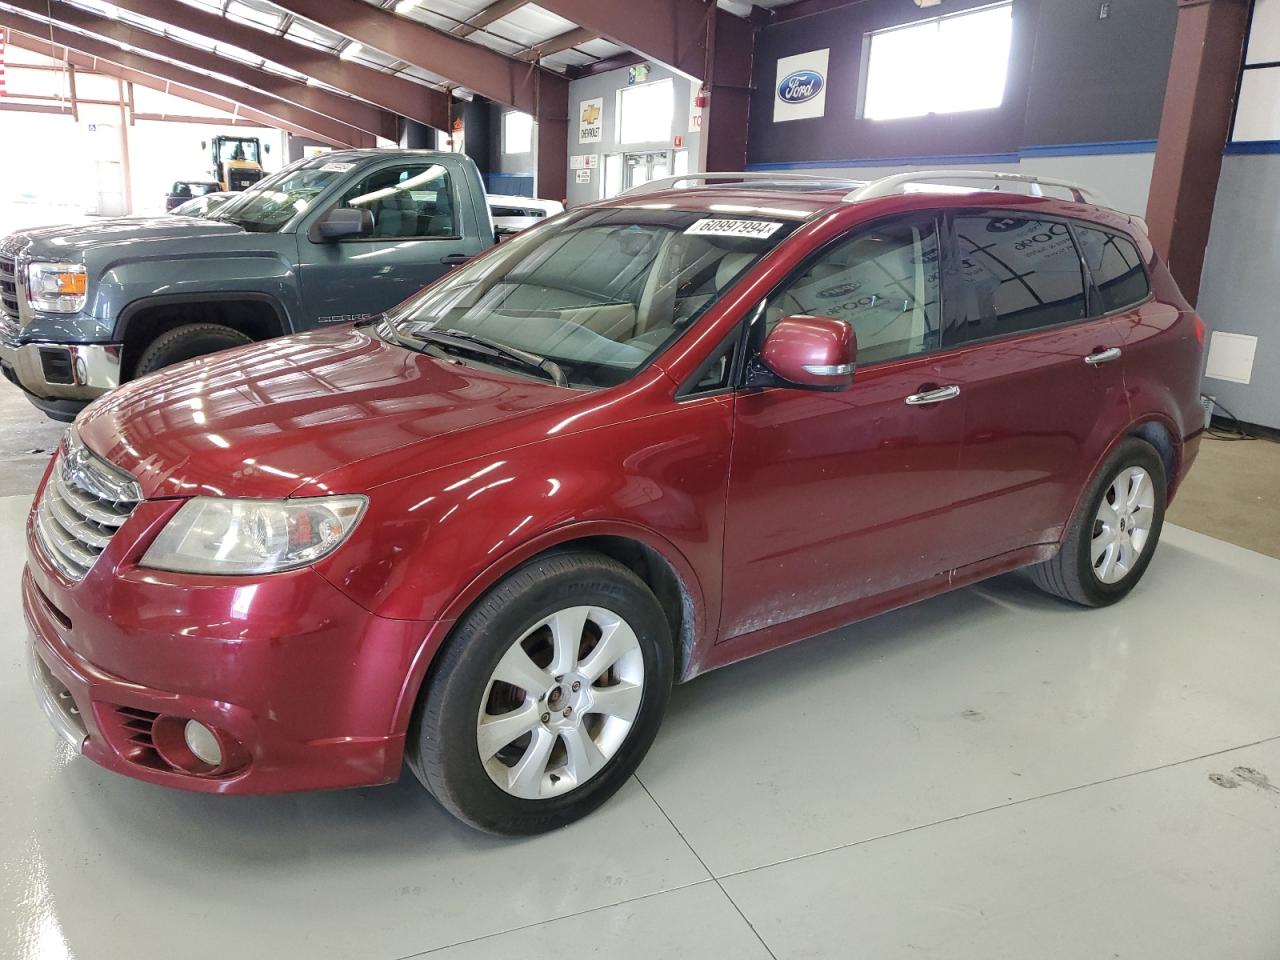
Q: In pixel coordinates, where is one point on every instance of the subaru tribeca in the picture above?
(484, 532)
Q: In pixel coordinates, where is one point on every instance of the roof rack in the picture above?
(752, 179)
(902, 182)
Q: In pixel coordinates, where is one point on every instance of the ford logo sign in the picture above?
(800, 86)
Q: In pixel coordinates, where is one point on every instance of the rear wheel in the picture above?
(186, 343)
(1115, 532)
(546, 698)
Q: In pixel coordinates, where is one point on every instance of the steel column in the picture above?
(1208, 48)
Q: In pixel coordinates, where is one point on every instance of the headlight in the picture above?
(217, 535)
(57, 287)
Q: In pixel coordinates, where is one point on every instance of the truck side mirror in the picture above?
(343, 223)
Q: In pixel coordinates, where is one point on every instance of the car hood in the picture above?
(68, 242)
(270, 420)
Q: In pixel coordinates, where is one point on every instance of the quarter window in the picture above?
(1013, 274)
(883, 282)
(407, 202)
(1117, 269)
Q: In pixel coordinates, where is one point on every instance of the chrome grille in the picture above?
(9, 287)
(84, 503)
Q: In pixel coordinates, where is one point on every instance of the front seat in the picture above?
(395, 216)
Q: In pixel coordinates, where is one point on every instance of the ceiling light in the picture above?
(351, 50)
(404, 6)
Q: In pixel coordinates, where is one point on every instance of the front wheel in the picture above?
(187, 342)
(546, 697)
(1115, 531)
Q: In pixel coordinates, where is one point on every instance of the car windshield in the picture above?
(271, 203)
(596, 293)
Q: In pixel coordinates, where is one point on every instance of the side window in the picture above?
(1117, 269)
(882, 281)
(407, 202)
(1012, 275)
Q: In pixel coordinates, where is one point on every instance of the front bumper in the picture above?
(58, 371)
(308, 688)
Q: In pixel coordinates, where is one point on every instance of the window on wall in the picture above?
(517, 132)
(944, 65)
(645, 112)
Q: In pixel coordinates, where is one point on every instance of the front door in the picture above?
(415, 227)
(837, 497)
(1042, 376)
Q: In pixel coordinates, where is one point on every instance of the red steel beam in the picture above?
(237, 113)
(405, 97)
(1208, 49)
(354, 113)
(491, 74)
(672, 32)
(495, 11)
(558, 43)
(321, 127)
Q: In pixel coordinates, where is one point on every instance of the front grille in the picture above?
(9, 287)
(84, 503)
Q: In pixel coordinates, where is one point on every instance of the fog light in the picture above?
(203, 743)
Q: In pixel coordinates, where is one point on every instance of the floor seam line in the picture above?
(555, 919)
(714, 879)
(992, 809)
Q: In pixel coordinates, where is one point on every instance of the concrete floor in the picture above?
(988, 774)
(1233, 493)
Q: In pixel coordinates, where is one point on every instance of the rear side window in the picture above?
(1117, 269)
(1013, 275)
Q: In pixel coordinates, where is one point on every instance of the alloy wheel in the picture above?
(560, 702)
(1122, 527)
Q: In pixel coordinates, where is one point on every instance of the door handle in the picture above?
(937, 395)
(455, 259)
(1103, 356)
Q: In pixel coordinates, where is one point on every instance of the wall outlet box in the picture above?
(1231, 357)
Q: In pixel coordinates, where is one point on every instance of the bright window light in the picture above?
(645, 112)
(947, 65)
(517, 132)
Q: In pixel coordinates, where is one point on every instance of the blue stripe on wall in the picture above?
(1043, 150)
(1246, 147)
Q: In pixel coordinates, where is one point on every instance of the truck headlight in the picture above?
(56, 287)
(223, 536)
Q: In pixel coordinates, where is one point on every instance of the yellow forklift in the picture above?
(237, 161)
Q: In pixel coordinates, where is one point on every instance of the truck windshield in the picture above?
(271, 203)
(597, 292)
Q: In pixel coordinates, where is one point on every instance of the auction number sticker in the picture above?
(713, 227)
(336, 166)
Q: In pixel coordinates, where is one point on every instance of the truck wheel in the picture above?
(185, 343)
(546, 697)
(1115, 532)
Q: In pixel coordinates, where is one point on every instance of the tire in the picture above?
(185, 343)
(1078, 572)
(464, 692)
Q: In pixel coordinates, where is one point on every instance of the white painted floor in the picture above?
(989, 774)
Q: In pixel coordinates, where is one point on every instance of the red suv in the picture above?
(486, 531)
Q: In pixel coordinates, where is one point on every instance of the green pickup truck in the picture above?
(326, 240)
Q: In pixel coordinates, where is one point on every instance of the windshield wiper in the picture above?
(492, 348)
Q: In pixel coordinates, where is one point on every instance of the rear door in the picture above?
(421, 214)
(1041, 371)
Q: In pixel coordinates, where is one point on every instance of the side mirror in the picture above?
(342, 223)
(813, 353)
(504, 233)
(266, 148)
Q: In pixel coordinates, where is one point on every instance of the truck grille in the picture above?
(84, 503)
(9, 287)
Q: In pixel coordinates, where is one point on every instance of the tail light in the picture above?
(1199, 329)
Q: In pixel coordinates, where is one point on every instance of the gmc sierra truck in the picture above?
(327, 240)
